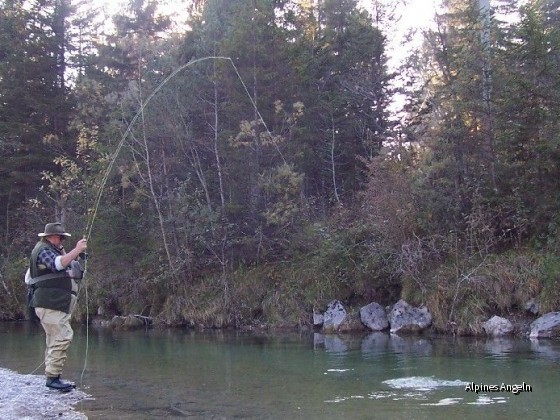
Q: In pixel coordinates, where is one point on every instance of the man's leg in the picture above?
(59, 335)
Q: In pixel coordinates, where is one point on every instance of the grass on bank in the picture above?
(460, 293)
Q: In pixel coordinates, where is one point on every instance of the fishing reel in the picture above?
(83, 255)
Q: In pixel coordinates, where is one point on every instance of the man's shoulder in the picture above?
(44, 251)
(42, 245)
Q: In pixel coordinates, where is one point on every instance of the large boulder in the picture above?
(404, 318)
(374, 317)
(334, 316)
(497, 326)
(547, 326)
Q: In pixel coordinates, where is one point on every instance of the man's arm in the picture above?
(59, 262)
(70, 256)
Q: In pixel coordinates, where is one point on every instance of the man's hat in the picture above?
(54, 229)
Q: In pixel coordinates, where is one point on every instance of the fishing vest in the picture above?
(50, 290)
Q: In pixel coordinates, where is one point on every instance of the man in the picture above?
(54, 296)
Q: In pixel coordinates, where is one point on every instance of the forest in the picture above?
(249, 167)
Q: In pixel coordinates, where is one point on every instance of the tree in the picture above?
(35, 104)
(460, 151)
(349, 98)
(529, 122)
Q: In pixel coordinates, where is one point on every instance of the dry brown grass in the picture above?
(460, 299)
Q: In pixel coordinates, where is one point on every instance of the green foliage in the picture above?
(549, 279)
(13, 298)
(282, 187)
(252, 190)
(35, 101)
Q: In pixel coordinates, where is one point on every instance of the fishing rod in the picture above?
(99, 194)
(93, 214)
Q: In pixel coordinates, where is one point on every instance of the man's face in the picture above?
(56, 240)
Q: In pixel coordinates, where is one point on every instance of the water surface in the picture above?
(225, 374)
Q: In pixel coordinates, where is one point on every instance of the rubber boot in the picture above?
(54, 382)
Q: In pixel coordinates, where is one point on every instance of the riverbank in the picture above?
(26, 397)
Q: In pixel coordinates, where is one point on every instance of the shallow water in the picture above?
(225, 374)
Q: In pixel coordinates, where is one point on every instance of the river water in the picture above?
(241, 375)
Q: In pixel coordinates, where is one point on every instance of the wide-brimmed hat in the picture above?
(54, 229)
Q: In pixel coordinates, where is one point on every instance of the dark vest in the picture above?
(54, 293)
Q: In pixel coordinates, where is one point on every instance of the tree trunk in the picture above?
(488, 131)
(216, 138)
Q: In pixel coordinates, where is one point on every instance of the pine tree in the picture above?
(461, 157)
(529, 121)
(350, 109)
(35, 105)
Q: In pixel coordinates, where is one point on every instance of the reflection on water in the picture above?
(228, 374)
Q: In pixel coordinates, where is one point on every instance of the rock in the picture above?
(404, 318)
(334, 316)
(98, 322)
(318, 319)
(497, 326)
(374, 317)
(128, 322)
(117, 322)
(23, 396)
(547, 326)
(352, 322)
(532, 306)
(132, 322)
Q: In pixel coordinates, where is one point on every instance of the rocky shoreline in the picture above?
(402, 318)
(24, 396)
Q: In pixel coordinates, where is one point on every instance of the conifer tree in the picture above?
(36, 102)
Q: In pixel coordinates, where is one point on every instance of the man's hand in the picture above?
(80, 247)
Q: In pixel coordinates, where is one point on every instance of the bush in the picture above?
(549, 283)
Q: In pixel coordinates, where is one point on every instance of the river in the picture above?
(151, 374)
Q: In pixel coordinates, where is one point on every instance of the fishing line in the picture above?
(93, 213)
(37, 368)
(99, 194)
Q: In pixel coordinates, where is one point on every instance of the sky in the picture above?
(416, 14)
(168, 7)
